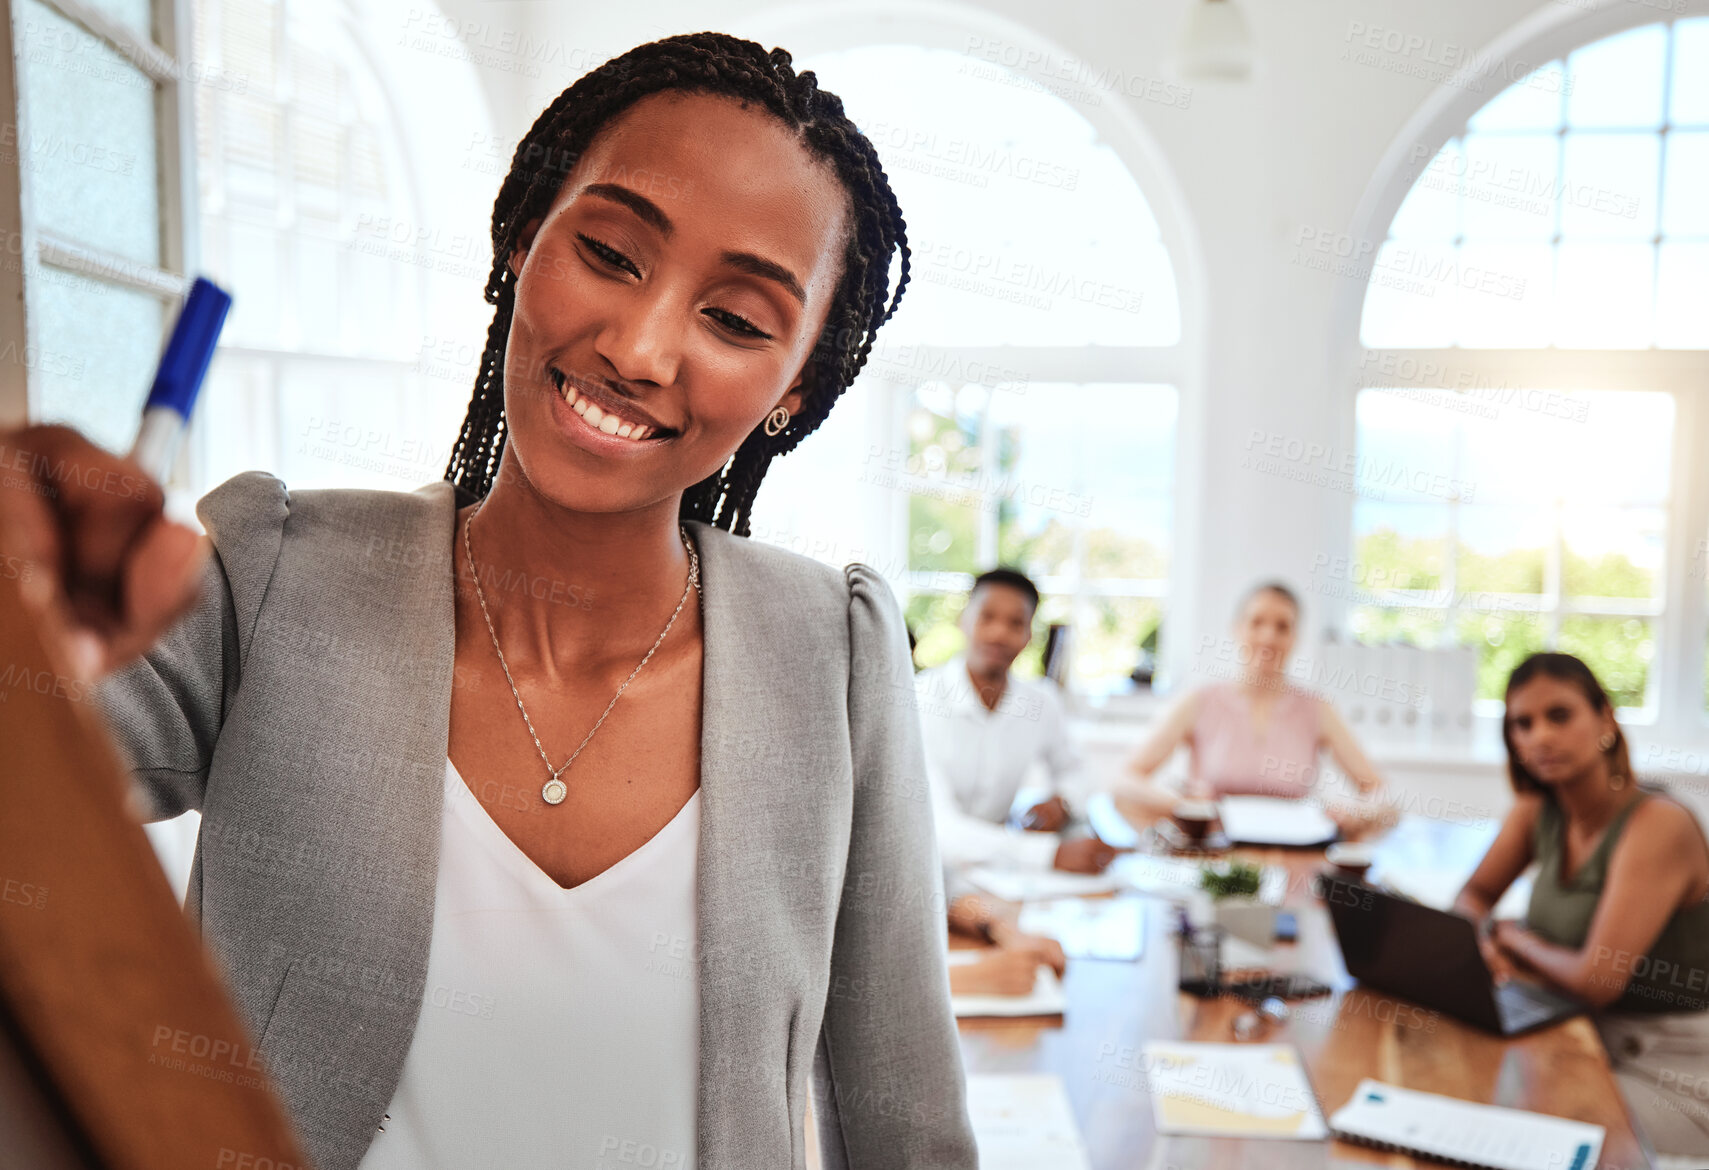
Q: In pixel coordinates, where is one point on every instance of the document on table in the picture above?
(1270, 820)
(1028, 885)
(1231, 1090)
(1089, 928)
(1452, 1130)
(1024, 1123)
(1045, 999)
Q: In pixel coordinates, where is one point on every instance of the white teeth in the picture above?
(609, 424)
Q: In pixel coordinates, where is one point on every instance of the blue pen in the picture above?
(183, 365)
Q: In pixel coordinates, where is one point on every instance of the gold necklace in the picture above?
(554, 790)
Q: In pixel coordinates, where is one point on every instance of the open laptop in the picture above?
(1431, 957)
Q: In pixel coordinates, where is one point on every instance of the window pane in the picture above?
(1105, 485)
(932, 618)
(1609, 185)
(1504, 639)
(1511, 191)
(1604, 295)
(1617, 650)
(1402, 308)
(941, 477)
(1106, 646)
(1617, 82)
(1503, 550)
(134, 14)
(1533, 103)
(88, 139)
(1406, 448)
(1410, 625)
(1613, 552)
(1400, 555)
(98, 348)
(1685, 198)
(1691, 72)
(1682, 295)
(1511, 298)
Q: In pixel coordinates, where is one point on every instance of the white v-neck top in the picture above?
(559, 1027)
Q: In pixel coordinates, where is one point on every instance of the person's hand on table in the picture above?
(1047, 816)
(995, 972)
(1085, 855)
(98, 564)
(1043, 950)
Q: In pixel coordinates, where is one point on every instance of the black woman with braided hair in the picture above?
(547, 820)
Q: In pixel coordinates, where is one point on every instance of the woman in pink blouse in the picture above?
(1256, 733)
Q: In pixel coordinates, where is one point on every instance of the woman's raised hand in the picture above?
(85, 535)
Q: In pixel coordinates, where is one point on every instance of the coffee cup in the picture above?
(1194, 817)
(1351, 859)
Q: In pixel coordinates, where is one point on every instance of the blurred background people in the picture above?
(1257, 733)
(988, 731)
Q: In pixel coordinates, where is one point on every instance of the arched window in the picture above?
(1534, 332)
(1020, 407)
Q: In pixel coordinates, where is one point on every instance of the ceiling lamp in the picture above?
(1215, 44)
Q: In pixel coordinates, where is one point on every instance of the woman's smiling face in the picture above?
(673, 292)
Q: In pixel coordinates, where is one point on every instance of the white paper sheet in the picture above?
(1271, 820)
(1029, 885)
(1089, 928)
(1024, 1123)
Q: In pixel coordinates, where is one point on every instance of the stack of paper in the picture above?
(1024, 1123)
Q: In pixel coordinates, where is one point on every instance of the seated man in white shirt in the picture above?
(986, 728)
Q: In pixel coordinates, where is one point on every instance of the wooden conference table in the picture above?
(1114, 1008)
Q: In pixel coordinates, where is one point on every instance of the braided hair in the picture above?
(710, 63)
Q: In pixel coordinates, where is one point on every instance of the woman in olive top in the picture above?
(1618, 916)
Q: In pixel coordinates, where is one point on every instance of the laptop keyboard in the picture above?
(1520, 1009)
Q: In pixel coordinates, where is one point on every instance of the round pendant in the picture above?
(554, 791)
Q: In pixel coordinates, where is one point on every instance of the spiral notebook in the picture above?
(1463, 1133)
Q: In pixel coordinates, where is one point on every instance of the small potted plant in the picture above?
(1233, 887)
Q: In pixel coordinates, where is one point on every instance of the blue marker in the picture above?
(166, 414)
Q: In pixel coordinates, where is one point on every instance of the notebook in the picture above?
(1463, 1133)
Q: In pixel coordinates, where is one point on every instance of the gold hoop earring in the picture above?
(1617, 782)
(776, 421)
(1606, 741)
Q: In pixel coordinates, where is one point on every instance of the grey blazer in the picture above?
(303, 707)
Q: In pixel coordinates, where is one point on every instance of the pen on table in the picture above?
(183, 365)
